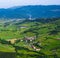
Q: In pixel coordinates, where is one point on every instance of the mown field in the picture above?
(47, 32)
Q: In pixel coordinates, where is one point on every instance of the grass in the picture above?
(48, 41)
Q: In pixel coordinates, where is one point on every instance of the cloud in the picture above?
(10, 3)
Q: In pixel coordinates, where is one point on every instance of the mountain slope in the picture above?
(36, 11)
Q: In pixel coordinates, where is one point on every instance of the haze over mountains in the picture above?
(36, 11)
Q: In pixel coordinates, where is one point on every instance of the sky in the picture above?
(11, 3)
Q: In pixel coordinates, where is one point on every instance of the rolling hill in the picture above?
(36, 11)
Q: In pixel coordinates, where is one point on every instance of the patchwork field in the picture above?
(30, 38)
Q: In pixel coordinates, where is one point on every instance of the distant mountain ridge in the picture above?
(35, 11)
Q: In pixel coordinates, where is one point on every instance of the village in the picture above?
(27, 40)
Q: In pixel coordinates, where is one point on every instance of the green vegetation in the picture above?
(46, 32)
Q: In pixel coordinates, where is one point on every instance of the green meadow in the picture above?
(46, 31)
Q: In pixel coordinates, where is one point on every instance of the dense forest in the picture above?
(36, 11)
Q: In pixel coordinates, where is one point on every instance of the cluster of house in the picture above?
(29, 39)
(36, 49)
(26, 39)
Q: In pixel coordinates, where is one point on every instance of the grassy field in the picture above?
(47, 39)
